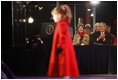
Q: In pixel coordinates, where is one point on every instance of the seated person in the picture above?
(81, 38)
(88, 29)
(102, 37)
(97, 29)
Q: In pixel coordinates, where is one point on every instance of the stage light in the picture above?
(94, 2)
(30, 20)
(88, 9)
(20, 20)
(40, 8)
(92, 15)
(24, 20)
(36, 6)
(24, 6)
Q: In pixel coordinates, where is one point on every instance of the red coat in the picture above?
(65, 64)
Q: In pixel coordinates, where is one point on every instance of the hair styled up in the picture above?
(64, 10)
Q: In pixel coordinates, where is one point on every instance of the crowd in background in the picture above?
(101, 36)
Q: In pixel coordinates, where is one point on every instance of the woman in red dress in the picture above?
(63, 60)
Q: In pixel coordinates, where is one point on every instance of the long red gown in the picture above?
(65, 64)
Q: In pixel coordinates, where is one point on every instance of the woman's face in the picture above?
(56, 17)
(80, 29)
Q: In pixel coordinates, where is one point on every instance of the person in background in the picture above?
(108, 30)
(81, 38)
(97, 27)
(102, 37)
(88, 29)
(63, 62)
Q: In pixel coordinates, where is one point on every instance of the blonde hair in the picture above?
(64, 10)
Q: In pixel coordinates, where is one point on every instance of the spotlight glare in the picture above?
(30, 20)
(94, 2)
(40, 8)
(92, 15)
(24, 6)
(20, 20)
(88, 9)
(36, 6)
(24, 20)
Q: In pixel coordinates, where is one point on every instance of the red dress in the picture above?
(65, 64)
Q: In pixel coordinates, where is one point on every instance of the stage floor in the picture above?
(90, 76)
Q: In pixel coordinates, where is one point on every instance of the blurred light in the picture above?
(24, 20)
(88, 9)
(94, 2)
(40, 8)
(15, 20)
(27, 2)
(30, 20)
(27, 40)
(24, 6)
(36, 6)
(20, 20)
(92, 15)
